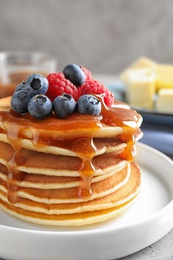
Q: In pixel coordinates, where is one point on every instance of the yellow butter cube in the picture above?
(164, 102)
(141, 63)
(164, 76)
(140, 88)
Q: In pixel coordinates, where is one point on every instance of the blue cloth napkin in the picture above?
(159, 136)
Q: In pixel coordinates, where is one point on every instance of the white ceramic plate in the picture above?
(143, 224)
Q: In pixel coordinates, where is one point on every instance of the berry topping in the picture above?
(75, 74)
(59, 92)
(64, 105)
(37, 84)
(58, 85)
(40, 106)
(89, 104)
(19, 101)
(95, 87)
(87, 73)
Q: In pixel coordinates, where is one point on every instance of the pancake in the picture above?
(5, 103)
(43, 181)
(106, 142)
(79, 219)
(65, 195)
(78, 213)
(58, 165)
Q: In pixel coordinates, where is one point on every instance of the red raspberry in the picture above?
(87, 73)
(95, 87)
(58, 85)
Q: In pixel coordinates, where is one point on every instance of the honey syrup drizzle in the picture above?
(13, 174)
(86, 150)
(15, 124)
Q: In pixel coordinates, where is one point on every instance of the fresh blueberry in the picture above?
(20, 100)
(75, 74)
(64, 105)
(37, 84)
(40, 106)
(89, 104)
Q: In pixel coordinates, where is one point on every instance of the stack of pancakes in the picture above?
(69, 172)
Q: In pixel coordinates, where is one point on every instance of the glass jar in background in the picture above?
(16, 66)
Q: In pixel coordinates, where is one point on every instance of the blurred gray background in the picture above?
(103, 35)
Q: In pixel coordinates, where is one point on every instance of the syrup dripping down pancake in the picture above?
(103, 144)
(58, 165)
